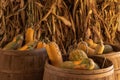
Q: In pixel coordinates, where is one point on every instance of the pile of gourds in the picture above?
(24, 41)
(78, 59)
(93, 48)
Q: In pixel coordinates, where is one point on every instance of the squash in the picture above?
(54, 54)
(107, 49)
(15, 43)
(29, 35)
(100, 48)
(84, 46)
(90, 43)
(77, 54)
(90, 51)
(67, 65)
(29, 46)
(70, 64)
(87, 63)
(41, 45)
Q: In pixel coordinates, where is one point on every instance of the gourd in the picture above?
(29, 46)
(84, 46)
(54, 54)
(41, 45)
(77, 54)
(107, 49)
(29, 35)
(87, 63)
(15, 43)
(100, 48)
(67, 65)
(90, 43)
(70, 64)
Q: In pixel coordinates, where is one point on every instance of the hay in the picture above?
(62, 21)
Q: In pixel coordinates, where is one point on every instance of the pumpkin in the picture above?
(54, 54)
(77, 54)
(15, 43)
(29, 35)
(107, 49)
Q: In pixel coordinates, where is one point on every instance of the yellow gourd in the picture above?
(100, 48)
(54, 54)
(90, 43)
(41, 45)
(29, 35)
(70, 64)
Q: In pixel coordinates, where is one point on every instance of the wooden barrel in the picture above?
(115, 58)
(22, 65)
(105, 73)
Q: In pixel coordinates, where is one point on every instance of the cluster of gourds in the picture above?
(24, 42)
(78, 59)
(92, 48)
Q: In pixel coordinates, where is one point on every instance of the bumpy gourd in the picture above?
(77, 55)
(54, 54)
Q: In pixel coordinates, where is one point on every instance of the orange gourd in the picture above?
(29, 35)
(90, 43)
(41, 45)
